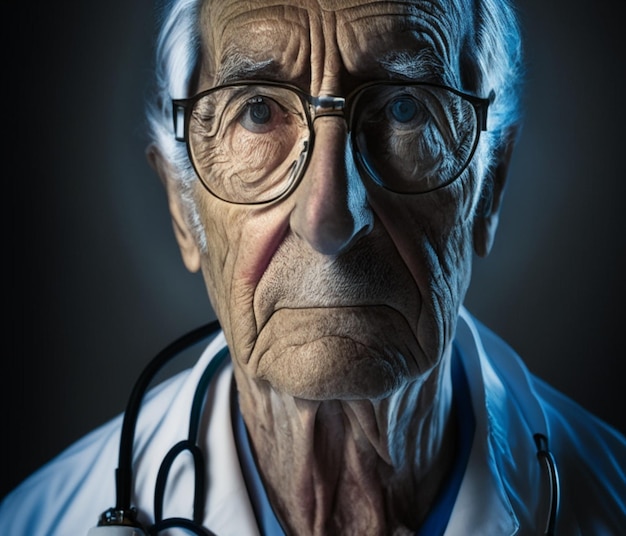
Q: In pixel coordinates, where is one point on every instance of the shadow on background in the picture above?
(97, 286)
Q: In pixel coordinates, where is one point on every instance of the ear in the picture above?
(185, 238)
(488, 210)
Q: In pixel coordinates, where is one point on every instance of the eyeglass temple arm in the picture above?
(482, 109)
(179, 112)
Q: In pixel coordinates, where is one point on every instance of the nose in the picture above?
(331, 210)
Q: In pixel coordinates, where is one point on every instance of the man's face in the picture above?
(342, 289)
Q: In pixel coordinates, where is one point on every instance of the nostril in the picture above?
(333, 229)
(331, 237)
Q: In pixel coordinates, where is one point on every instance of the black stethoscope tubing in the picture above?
(123, 513)
(126, 515)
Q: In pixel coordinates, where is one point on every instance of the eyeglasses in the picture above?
(250, 142)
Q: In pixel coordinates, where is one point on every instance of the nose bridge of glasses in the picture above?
(327, 105)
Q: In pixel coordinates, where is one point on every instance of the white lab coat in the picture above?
(503, 491)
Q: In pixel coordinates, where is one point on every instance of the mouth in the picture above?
(371, 274)
(345, 352)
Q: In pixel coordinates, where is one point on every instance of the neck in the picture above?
(356, 466)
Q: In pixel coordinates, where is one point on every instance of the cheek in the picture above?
(446, 256)
(222, 229)
(433, 236)
(240, 242)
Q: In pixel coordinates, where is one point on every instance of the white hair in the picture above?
(177, 54)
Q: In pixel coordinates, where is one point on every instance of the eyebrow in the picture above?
(237, 66)
(422, 65)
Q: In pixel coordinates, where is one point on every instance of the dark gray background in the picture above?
(96, 286)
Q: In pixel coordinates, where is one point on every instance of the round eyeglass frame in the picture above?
(323, 106)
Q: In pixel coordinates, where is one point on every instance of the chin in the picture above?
(359, 352)
(336, 368)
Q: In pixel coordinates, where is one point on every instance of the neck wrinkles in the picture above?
(366, 466)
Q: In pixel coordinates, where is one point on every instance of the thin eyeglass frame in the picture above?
(324, 106)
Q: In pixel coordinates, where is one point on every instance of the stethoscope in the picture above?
(121, 520)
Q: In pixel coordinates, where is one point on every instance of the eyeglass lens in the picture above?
(249, 143)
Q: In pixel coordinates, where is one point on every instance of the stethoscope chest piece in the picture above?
(115, 530)
(116, 522)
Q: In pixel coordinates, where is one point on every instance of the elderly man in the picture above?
(331, 168)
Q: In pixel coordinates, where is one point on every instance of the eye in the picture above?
(403, 109)
(259, 112)
(260, 115)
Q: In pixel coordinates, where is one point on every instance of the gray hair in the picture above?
(498, 59)
(177, 53)
(493, 56)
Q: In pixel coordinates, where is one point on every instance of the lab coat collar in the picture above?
(491, 497)
(482, 506)
(491, 490)
(229, 510)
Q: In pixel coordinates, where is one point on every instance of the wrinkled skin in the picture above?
(339, 302)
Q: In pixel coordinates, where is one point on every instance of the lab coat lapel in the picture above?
(482, 505)
(229, 510)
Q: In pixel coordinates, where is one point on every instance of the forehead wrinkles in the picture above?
(240, 40)
(419, 30)
(398, 35)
